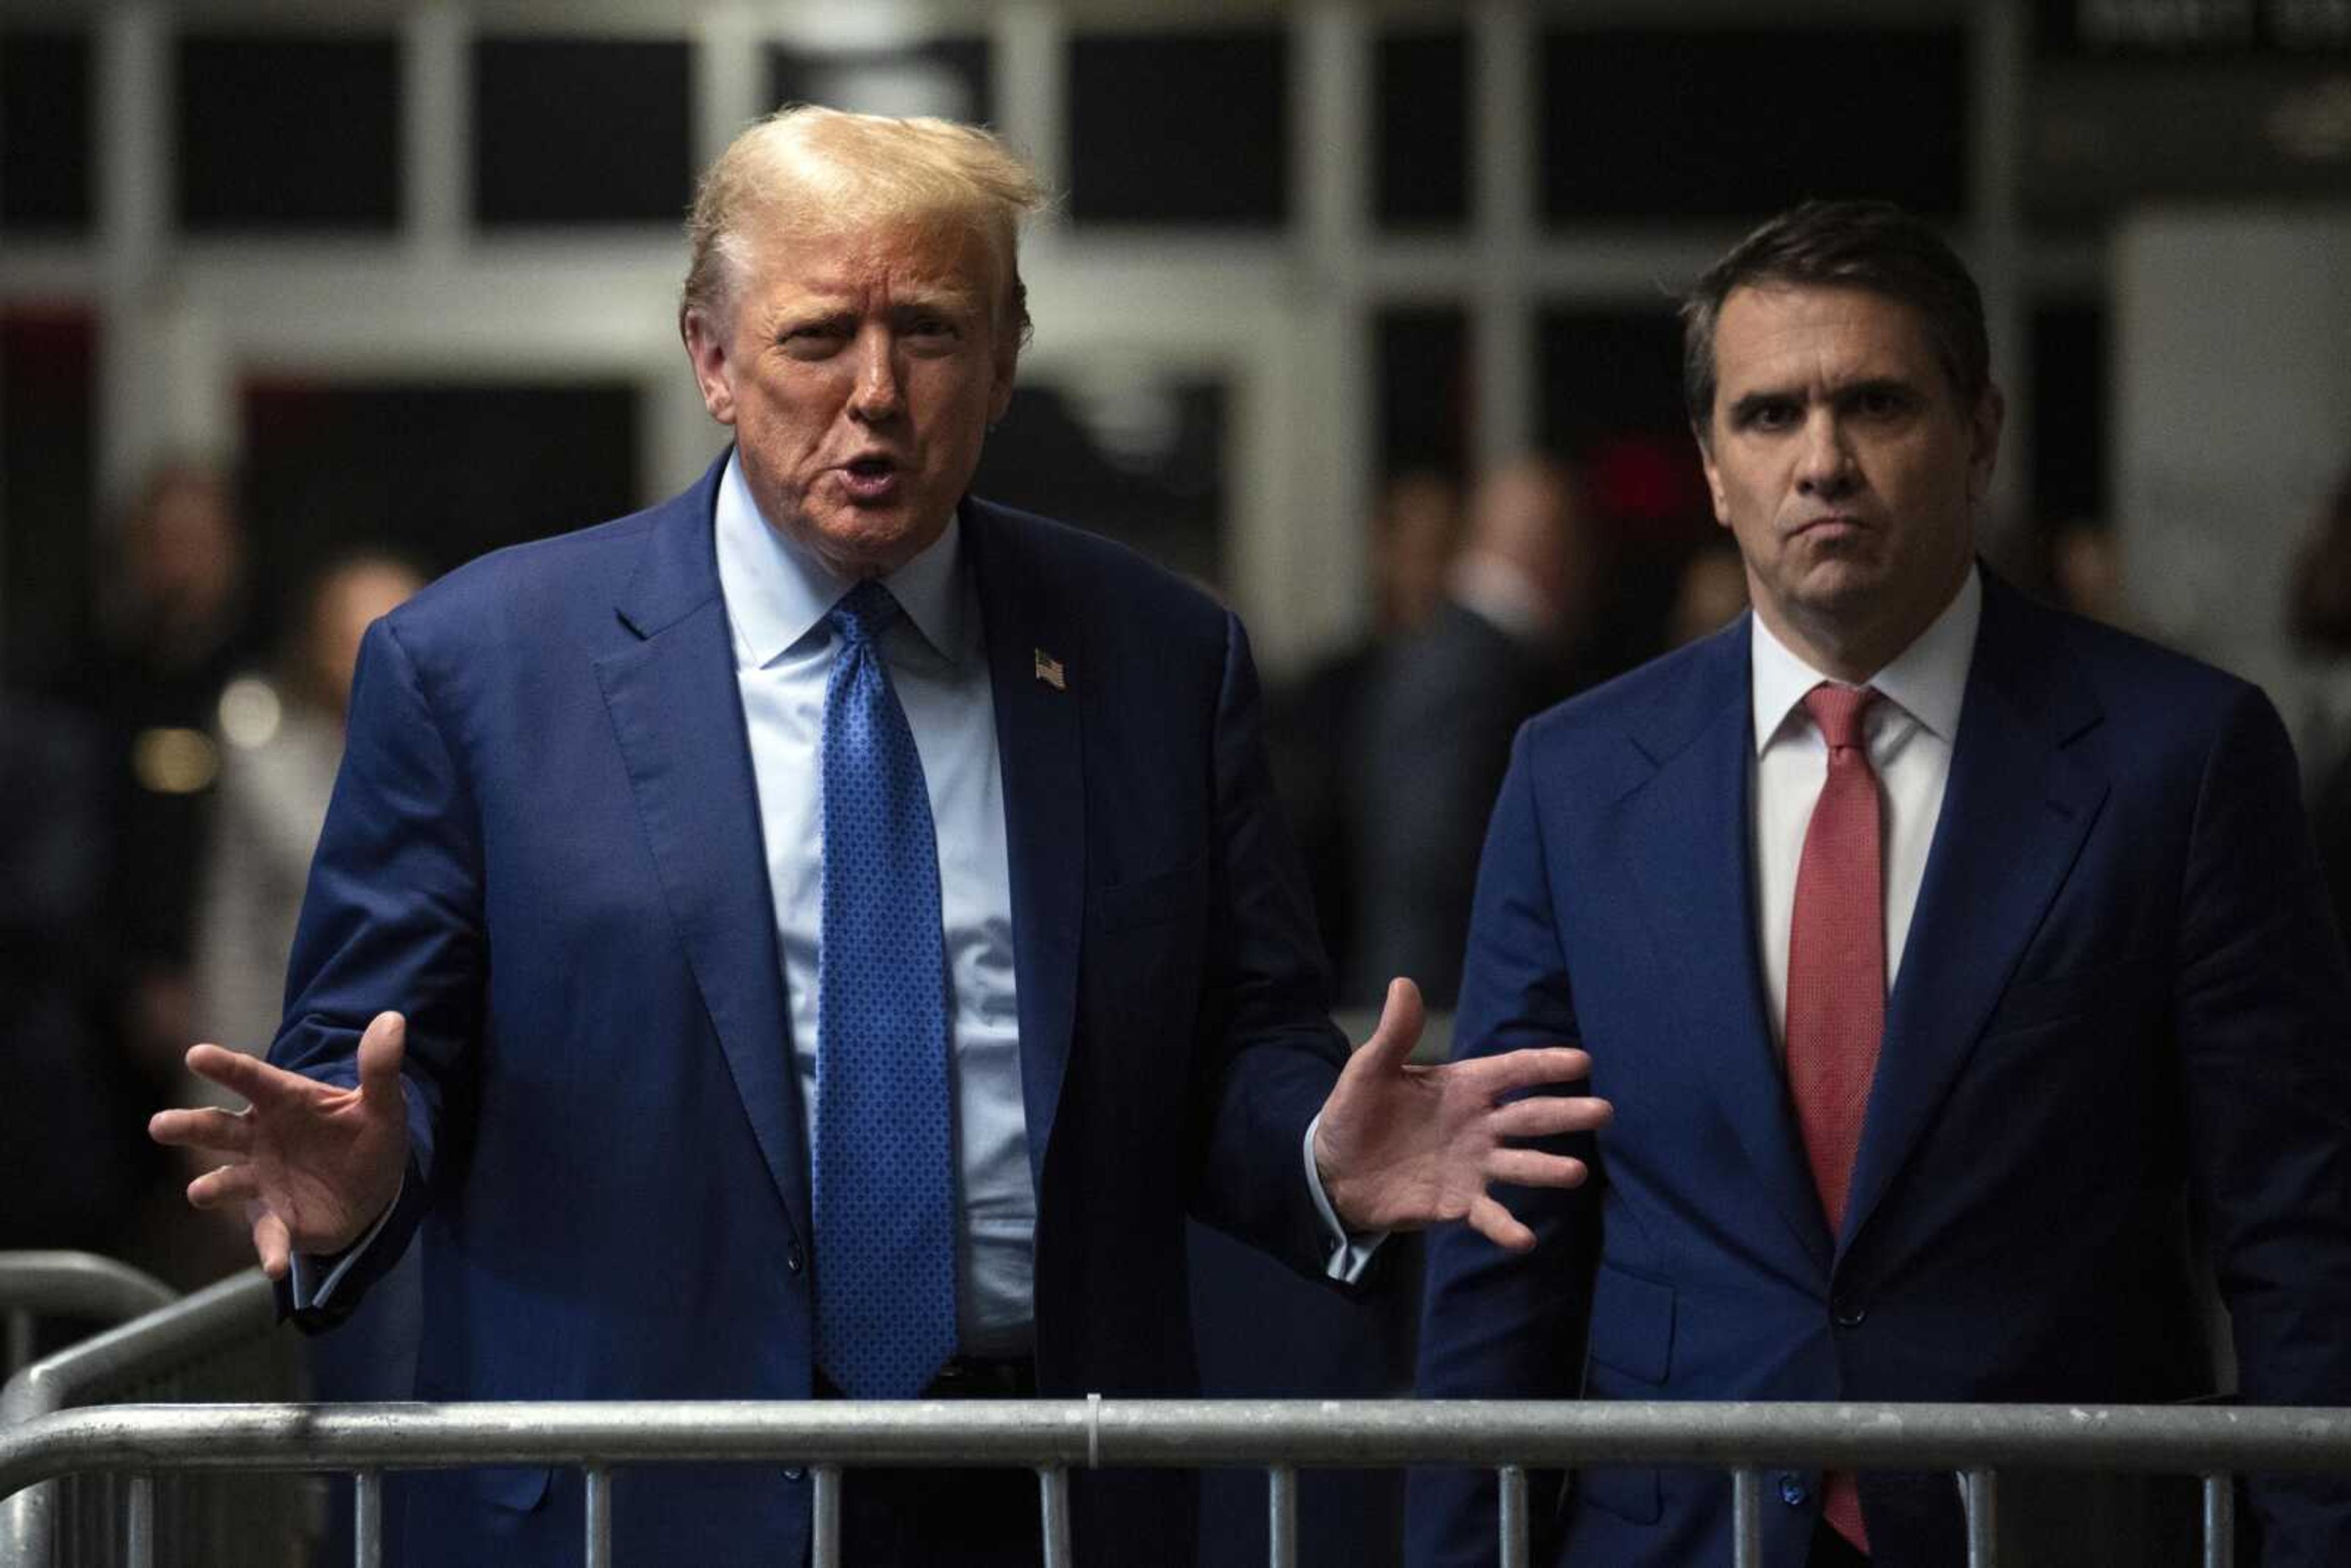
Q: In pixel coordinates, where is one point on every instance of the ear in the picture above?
(713, 370)
(1713, 474)
(1983, 442)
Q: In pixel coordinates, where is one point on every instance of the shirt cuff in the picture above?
(1348, 1253)
(313, 1279)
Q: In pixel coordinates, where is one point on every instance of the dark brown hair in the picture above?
(1873, 246)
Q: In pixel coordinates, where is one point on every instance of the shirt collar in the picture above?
(1928, 680)
(777, 592)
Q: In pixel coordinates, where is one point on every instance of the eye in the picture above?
(812, 340)
(932, 329)
(1881, 402)
(1772, 414)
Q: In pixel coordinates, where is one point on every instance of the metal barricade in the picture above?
(221, 1342)
(1054, 1437)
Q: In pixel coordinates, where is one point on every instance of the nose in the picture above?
(878, 394)
(1825, 466)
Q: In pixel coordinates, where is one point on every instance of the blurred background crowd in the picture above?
(1360, 313)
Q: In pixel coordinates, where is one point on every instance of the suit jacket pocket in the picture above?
(1632, 1324)
(1632, 1355)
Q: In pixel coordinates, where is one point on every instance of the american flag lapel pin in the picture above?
(1049, 669)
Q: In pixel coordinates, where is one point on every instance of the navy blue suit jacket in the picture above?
(2122, 994)
(545, 848)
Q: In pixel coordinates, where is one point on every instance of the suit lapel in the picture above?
(1038, 741)
(2015, 812)
(1684, 829)
(678, 719)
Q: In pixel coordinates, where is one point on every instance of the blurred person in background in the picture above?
(1442, 705)
(282, 743)
(171, 629)
(1939, 950)
(1315, 723)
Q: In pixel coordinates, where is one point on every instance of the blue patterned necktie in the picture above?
(885, 1225)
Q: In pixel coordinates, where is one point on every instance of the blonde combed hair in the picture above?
(807, 172)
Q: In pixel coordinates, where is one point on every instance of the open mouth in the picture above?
(869, 478)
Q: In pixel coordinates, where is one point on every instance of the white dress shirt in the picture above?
(1910, 735)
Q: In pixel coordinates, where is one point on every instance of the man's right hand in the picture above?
(312, 1164)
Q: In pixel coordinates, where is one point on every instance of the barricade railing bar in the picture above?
(80, 1286)
(1055, 1437)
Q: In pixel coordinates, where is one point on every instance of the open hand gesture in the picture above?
(313, 1165)
(1400, 1146)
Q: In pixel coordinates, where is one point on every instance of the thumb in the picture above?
(1401, 1017)
(381, 1048)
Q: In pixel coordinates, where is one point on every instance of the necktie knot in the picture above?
(1839, 711)
(862, 614)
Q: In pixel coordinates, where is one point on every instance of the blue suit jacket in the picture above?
(2121, 993)
(545, 848)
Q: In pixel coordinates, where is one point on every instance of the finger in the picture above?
(1401, 1019)
(380, 1050)
(1532, 1167)
(1542, 1115)
(248, 1077)
(1534, 1068)
(211, 1129)
(272, 1243)
(1498, 1225)
(224, 1185)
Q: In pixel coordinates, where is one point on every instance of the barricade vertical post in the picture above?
(824, 1528)
(2220, 1520)
(1979, 1495)
(20, 1340)
(367, 1519)
(1746, 1519)
(1513, 1511)
(599, 1517)
(140, 1526)
(1281, 1516)
(1053, 1500)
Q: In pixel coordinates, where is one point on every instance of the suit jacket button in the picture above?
(1793, 1489)
(1848, 1312)
(792, 1257)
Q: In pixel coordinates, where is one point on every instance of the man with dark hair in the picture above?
(1938, 951)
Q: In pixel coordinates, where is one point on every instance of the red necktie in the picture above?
(1837, 982)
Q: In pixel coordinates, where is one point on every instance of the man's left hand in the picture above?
(1401, 1147)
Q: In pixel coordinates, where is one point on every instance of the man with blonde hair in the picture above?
(838, 928)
